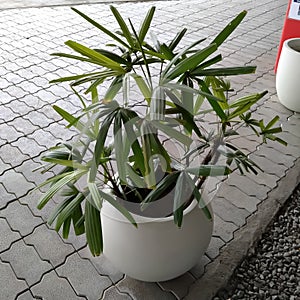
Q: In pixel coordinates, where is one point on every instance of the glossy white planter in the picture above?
(288, 75)
(157, 250)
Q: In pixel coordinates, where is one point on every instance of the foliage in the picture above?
(182, 98)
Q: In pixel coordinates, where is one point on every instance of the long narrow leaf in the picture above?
(102, 28)
(123, 26)
(223, 35)
(146, 24)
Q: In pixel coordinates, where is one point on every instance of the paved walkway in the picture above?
(34, 260)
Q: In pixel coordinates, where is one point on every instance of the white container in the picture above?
(157, 250)
(288, 75)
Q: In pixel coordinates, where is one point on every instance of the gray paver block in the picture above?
(23, 125)
(143, 290)
(20, 218)
(49, 245)
(28, 147)
(10, 286)
(103, 265)
(198, 270)
(246, 185)
(229, 212)
(223, 229)
(25, 296)
(16, 183)
(31, 200)
(276, 156)
(269, 166)
(113, 293)
(5, 197)
(32, 268)
(84, 277)
(7, 236)
(53, 287)
(9, 133)
(178, 286)
(12, 155)
(238, 198)
(214, 247)
(261, 178)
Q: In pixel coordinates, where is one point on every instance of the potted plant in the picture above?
(147, 146)
(287, 75)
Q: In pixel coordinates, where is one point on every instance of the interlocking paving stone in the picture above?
(9, 133)
(3, 166)
(269, 166)
(20, 218)
(23, 125)
(214, 247)
(49, 245)
(276, 156)
(7, 236)
(28, 147)
(12, 155)
(16, 183)
(10, 286)
(75, 269)
(32, 268)
(103, 265)
(53, 287)
(5, 197)
(113, 293)
(247, 186)
(198, 270)
(143, 290)
(25, 296)
(229, 212)
(223, 229)
(28, 38)
(178, 286)
(31, 200)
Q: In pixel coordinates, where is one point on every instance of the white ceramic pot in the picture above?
(157, 250)
(288, 75)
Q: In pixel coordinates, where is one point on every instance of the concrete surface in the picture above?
(34, 260)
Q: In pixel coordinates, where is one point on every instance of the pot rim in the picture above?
(288, 42)
(112, 213)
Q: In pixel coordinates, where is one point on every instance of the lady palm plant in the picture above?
(121, 153)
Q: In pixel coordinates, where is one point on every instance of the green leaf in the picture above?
(191, 62)
(95, 195)
(114, 57)
(177, 57)
(143, 87)
(146, 24)
(95, 56)
(66, 228)
(201, 203)
(209, 170)
(123, 26)
(75, 77)
(176, 40)
(103, 29)
(224, 71)
(93, 229)
(224, 34)
(68, 210)
(121, 156)
(118, 206)
(83, 128)
(161, 188)
(183, 192)
(113, 89)
(177, 135)
(99, 146)
(208, 63)
(64, 179)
